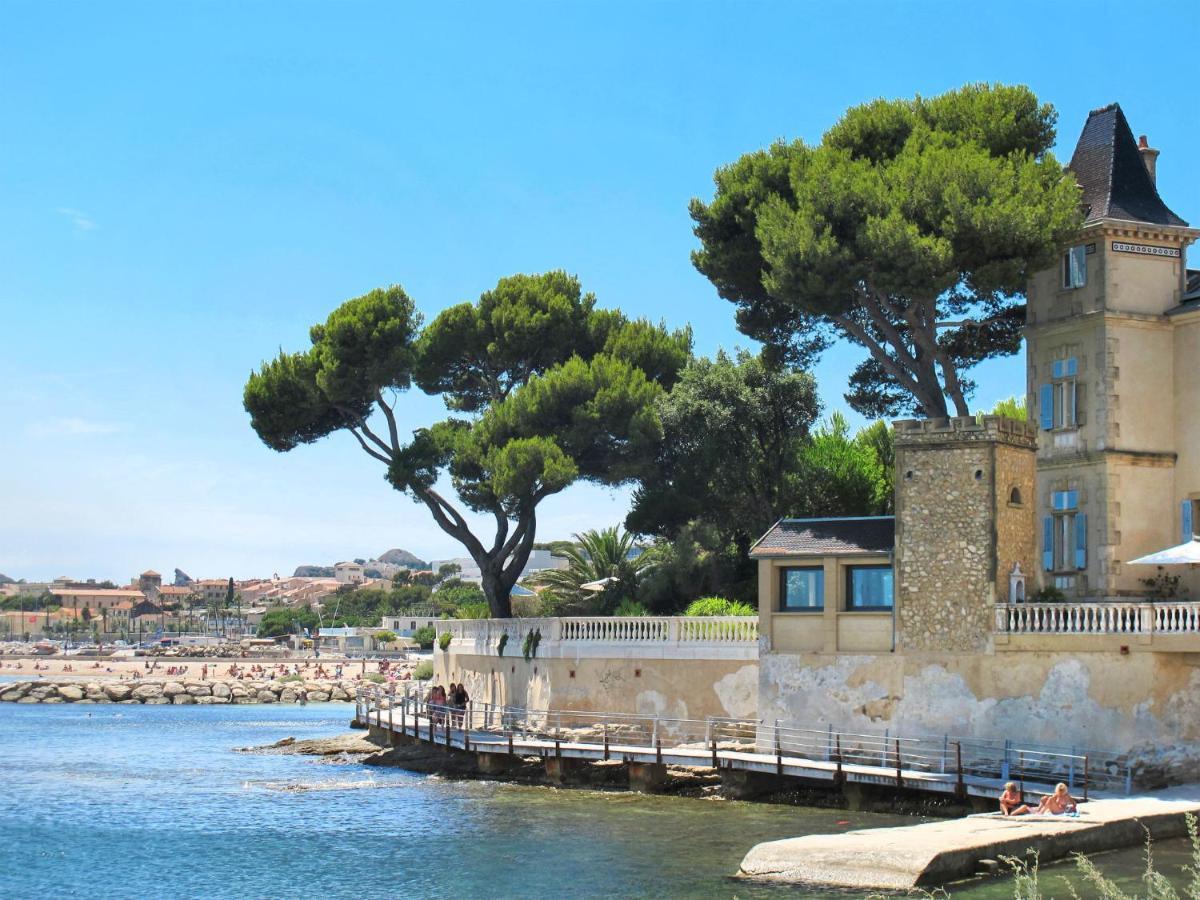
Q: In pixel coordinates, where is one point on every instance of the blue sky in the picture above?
(186, 187)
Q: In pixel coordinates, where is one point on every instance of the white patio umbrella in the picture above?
(599, 585)
(1186, 554)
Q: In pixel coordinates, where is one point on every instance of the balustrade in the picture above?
(655, 630)
(1098, 618)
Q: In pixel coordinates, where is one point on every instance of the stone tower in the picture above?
(1111, 334)
(964, 519)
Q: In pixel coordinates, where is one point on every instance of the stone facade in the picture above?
(963, 519)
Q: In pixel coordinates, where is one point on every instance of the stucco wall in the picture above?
(678, 688)
(1097, 700)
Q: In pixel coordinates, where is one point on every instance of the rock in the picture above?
(338, 694)
(146, 692)
(157, 701)
(127, 702)
(54, 700)
(70, 692)
(183, 699)
(265, 696)
(29, 698)
(81, 702)
(220, 689)
(11, 696)
(287, 695)
(238, 692)
(205, 701)
(117, 692)
(198, 689)
(92, 687)
(318, 697)
(171, 688)
(96, 696)
(42, 690)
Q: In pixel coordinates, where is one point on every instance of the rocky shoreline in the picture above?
(178, 692)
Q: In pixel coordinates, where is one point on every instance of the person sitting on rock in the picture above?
(1059, 803)
(1012, 801)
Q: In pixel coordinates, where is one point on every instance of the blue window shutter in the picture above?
(1185, 519)
(1047, 407)
(1048, 543)
(1080, 540)
(1071, 366)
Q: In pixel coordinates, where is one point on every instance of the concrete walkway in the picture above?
(938, 852)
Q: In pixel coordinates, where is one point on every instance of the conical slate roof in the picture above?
(1110, 170)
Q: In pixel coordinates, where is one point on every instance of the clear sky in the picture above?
(186, 187)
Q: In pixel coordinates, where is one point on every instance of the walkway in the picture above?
(959, 767)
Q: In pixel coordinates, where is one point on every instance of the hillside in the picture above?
(403, 559)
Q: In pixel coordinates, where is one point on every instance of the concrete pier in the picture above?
(938, 852)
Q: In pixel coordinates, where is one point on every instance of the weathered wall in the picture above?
(679, 688)
(1102, 700)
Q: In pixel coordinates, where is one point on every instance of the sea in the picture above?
(107, 801)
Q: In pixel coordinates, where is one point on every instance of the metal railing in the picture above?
(933, 762)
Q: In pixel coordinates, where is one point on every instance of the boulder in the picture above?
(238, 692)
(287, 695)
(81, 702)
(338, 694)
(11, 696)
(42, 690)
(117, 692)
(54, 700)
(265, 696)
(92, 687)
(157, 701)
(220, 689)
(29, 698)
(145, 692)
(127, 702)
(205, 701)
(96, 697)
(171, 688)
(318, 697)
(70, 692)
(183, 699)
(199, 689)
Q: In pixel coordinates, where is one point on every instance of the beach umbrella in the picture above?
(1185, 554)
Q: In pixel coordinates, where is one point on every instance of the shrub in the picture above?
(293, 677)
(1049, 594)
(375, 678)
(444, 640)
(719, 606)
(424, 637)
(385, 637)
(501, 644)
(473, 610)
(628, 607)
(423, 671)
(529, 648)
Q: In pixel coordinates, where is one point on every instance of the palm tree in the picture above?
(602, 570)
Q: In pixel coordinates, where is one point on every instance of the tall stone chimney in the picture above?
(1149, 157)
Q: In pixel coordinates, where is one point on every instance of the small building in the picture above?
(827, 584)
(349, 573)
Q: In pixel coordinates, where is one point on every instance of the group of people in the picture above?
(1012, 802)
(451, 701)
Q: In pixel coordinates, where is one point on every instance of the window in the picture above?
(869, 587)
(802, 589)
(1074, 267)
(1064, 534)
(1187, 520)
(1059, 399)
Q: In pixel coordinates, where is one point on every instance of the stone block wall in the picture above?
(952, 481)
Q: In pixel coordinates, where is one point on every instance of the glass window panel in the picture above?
(802, 589)
(870, 587)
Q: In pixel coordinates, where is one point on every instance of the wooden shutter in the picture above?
(1046, 412)
(1080, 540)
(1048, 543)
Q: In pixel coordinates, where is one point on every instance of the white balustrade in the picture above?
(1098, 618)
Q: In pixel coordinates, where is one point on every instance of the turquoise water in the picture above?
(150, 801)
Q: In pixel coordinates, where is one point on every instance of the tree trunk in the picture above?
(498, 593)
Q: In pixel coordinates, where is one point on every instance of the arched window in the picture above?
(1014, 496)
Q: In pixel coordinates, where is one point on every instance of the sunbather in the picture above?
(1012, 801)
(1059, 803)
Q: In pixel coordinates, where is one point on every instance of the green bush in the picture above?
(374, 678)
(529, 648)
(384, 637)
(293, 677)
(423, 671)
(476, 609)
(1048, 594)
(444, 640)
(501, 644)
(628, 607)
(719, 606)
(424, 637)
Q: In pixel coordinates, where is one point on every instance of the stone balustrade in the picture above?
(1103, 618)
(664, 637)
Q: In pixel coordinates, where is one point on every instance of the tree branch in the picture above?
(393, 432)
(387, 461)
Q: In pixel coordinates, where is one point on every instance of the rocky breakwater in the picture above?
(177, 692)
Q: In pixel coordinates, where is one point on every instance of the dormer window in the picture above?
(1074, 267)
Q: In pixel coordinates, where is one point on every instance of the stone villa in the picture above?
(1000, 600)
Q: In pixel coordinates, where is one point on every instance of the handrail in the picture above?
(1103, 617)
(685, 630)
